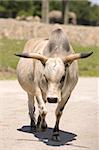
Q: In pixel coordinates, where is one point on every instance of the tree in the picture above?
(65, 10)
(87, 14)
(45, 10)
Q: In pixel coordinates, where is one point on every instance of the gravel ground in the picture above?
(79, 126)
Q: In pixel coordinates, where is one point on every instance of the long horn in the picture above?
(33, 56)
(73, 57)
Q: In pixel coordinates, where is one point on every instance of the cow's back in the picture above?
(35, 45)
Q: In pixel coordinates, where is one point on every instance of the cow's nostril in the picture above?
(52, 99)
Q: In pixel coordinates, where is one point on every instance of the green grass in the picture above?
(7, 50)
(8, 60)
(90, 65)
(87, 67)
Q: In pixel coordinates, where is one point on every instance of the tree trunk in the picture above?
(45, 11)
(65, 9)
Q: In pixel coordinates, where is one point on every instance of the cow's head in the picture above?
(54, 73)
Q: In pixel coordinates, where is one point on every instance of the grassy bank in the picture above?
(8, 62)
(90, 65)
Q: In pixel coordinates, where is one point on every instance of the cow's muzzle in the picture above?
(52, 99)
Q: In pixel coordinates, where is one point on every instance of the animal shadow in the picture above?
(45, 137)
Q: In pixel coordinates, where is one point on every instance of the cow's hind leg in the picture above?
(32, 111)
(59, 110)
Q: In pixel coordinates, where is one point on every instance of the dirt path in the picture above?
(79, 126)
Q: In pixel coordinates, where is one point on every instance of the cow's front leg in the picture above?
(41, 123)
(59, 110)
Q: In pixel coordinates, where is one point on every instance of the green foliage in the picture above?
(56, 5)
(94, 16)
(24, 13)
(15, 7)
(37, 8)
(87, 13)
(2, 9)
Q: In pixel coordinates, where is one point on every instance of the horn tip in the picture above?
(17, 54)
(24, 55)
(85, 55)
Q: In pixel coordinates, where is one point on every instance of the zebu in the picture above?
(49, 73)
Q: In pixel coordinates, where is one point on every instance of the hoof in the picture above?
(56, 137)
(33, 125)
(43, 126)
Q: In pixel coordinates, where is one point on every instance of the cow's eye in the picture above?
(62, 79)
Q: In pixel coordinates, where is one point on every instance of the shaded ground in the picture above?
(78, 127)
